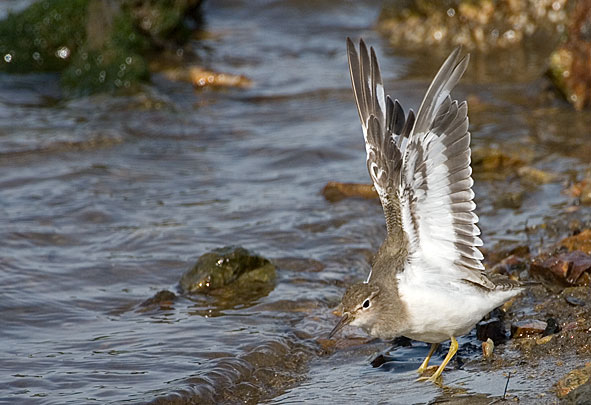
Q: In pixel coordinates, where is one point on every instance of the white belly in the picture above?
(439, 311)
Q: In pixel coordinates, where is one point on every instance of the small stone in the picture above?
(544, 340)
(163, 299)
(576, 296)
(552, 327)
(574, 301)
(488, 348)
(527, 328)
(380, 359)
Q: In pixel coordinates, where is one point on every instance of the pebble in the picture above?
(527, 328)
(487, 348)
(552, 327)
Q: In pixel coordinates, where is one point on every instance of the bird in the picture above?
(427, 281)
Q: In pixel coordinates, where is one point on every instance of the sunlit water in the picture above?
(105, 201)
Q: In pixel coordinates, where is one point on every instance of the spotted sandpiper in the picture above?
(427, 281)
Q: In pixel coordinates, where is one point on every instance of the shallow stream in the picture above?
(105, 201)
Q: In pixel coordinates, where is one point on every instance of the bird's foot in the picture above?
(429, 370)
(435, 379)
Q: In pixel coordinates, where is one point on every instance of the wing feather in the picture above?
(420, 166)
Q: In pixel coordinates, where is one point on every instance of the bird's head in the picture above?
(359, 304)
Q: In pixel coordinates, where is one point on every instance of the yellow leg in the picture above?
(425, 363)
(453, 348)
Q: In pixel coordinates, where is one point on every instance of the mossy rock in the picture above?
(42, 37)
(225, 266)
(99, 45)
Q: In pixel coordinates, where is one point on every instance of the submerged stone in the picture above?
(163, 299)
(202, 78)
(335, 191)
(227, 266)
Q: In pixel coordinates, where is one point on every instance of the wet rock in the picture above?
(581, 241)
(576, 296)
(98, 45)
(566, 268)
(574, 301)
(334, 191)
(570, 64)
(202, 78)
(162, 299)
(480, 24)
(527, 328)
(380, 359)
(574, 379)
(224, 266)
(544, 339)
(493, 329)
(552, 327)
(206, 78)
(488, 348)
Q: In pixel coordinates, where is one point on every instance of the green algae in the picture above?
(42, 37)
(97, 45)
(224, 266)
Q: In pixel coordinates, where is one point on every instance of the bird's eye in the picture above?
(366, 303)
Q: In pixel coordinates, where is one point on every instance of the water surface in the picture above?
(107, 200)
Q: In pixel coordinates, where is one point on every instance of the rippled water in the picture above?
(105, 201)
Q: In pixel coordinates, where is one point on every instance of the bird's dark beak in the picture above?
(344, 321)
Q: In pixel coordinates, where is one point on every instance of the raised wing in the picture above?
(423, 173)
(385, 129)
